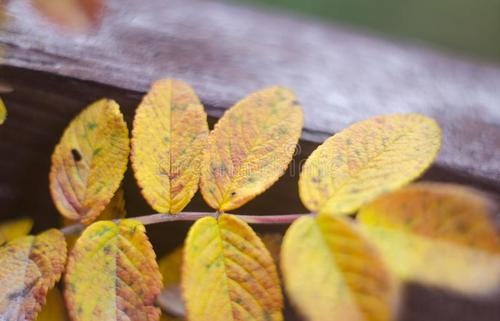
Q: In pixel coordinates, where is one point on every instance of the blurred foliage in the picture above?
(471, 27)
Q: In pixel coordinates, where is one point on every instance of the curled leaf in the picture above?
(3, 112)
(169, 135)
(332, 273)
(250, 148)
(29, 268)
(112, 274)
(53, 310)
(89, 162)
(78, 15)
(368, 159)
(11, 230)
(228, 274)
(438, 234)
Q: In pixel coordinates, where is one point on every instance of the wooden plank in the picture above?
(227, 51)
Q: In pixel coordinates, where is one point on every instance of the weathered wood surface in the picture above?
(227, 51)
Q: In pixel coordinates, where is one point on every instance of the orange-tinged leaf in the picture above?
(78, 15)
(53, 310)
(332, 273)
(170, 298)
(250, 148)
(112, 274)
(89, 162)
(10, 230)
(168, 139)
(3, 112)
(29, 268)
(439, 234)
(368, 159)
(228, 274)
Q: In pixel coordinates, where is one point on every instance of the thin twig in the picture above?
(193, 216)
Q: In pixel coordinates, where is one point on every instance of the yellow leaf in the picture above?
(369, 158)
(169, 135)
(332, 273)
(89, 162)
(438, 234)
(170, 268)
(53, 310)
(3, 112)
(11, 230)
(112, 274)
(78, 15)
(114, 210)
(29, 268)
(250, 148)
(228, 274)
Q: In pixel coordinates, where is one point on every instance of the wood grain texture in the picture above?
(227, 51)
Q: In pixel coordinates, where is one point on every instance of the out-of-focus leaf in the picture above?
(29, 268)
(171, 299)
(168, 139)
(250, 148)
(368, 159)
(332, 273)
(78, 15)
(10, 230)
(272, 241)
(3, 112)
(53, 310)
(438, 234)
(89, 162)
(228, 274)
(112, 274)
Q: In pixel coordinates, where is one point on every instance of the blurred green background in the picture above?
(467, 26)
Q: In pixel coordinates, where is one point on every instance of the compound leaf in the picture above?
(89, 162)
(369, 158)
(29, 268)
(53, 310)
(112, 274)
(228, 274)
(332, 273)
(168, 139)
(10, 230)
(250, 148)
(438, 234)
(78, 15)
(3, 111)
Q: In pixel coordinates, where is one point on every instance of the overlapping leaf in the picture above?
(332, 273)
(79, 15)
(437, 234)
(11, 230)
(366, 160)
(228, 274)
(3, 110)
(168, 139)
(53, 310)
(89, 162)
(112, 274)
(250, 148)
(29, 268)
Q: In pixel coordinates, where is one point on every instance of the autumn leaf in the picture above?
(272, 241)
(53, 310)
(112, 274)
(78, 15)
(168, 139)
(170, 268)
(3, 112)
(89, 162)
(250, 148)
(332, 273)
(438, 234)
(29, 268)
(10, 230)
(368, 159)
(228, 274)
